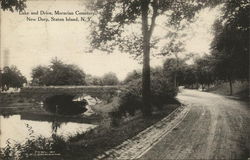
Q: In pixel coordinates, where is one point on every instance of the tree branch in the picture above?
(155, 5)
(144, 8)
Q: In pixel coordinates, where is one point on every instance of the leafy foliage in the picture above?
(110, 79)
(58, 73)
(110, 26)
(38, 75)
(201, 72)
(13, 5)
(132, 76)
(29, 149)
(230, 46)
(12, 77)
(93, 80)
(162, 91)
(189, 76)
(109, 30)
(204, 70)
(229, 60)
(107, 79)
(174, 67)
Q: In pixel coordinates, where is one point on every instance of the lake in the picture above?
(17, 128)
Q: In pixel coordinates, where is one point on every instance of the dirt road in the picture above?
(216, 127)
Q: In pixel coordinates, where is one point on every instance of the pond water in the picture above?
(64, 105)
(17, 128)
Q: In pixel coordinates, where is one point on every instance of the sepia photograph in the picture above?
(124, 79)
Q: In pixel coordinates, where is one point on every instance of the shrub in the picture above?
(115, 118)
(162, 92)
(110, 79)
(32, 146)
(131, 98)
(28, 150)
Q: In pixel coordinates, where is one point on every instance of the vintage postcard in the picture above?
(124, 79)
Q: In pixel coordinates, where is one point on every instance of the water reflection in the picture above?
(16, 127)
(64, 105)
(55, 125)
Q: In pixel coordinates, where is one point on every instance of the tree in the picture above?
(110, 79)
(58, 73)
(204, 70)
(38, 75)
(134, 75)
(190, 76)
(13, 5)
(12, 77)
(97, 81)
(115, 15)
(174, 68)
(230, 46)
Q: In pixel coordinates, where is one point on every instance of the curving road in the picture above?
(216, 127)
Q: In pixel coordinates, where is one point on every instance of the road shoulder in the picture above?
(135, 147)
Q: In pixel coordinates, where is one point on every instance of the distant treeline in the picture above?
(59, 73)
(229, 58)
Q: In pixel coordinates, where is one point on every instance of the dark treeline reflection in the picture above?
(64, 105)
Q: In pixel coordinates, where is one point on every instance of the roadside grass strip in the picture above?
(138, 145)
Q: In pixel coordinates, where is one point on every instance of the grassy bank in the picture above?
(240, 89)
(106, 136)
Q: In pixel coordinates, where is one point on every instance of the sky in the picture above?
(27, 44)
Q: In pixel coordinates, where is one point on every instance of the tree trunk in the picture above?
(146, 61)
(1, 85)
(175, 80)
(177, 69)
(230, 85)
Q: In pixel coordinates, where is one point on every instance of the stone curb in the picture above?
(138, 145)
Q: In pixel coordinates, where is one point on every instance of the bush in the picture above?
(131, 98)
(32, 146)
(162, 92)
(29, 149)
(110, 79)
(115, 118)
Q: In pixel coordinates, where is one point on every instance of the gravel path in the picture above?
(209, 126)
(215, 128)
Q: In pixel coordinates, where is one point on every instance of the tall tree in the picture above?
(230, 46)
(38, 75)
(12, 77)
(204, 70)
(174, 67)
(58, 73)
(109, 31)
